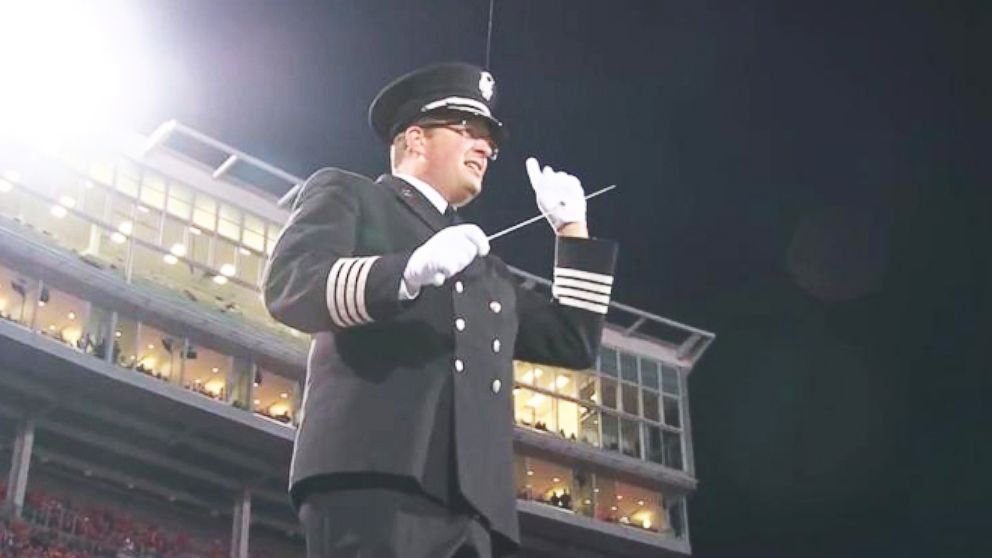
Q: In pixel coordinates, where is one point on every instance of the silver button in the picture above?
(496, 345)
(459, 287)
(459, 365)
(495, 306)
(497, 385)
(460, 324)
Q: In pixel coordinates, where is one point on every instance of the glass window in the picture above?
(565, 382)
(158, 354)
(630, 439)
(609, 393)
(109, 249)
(650, 400)
(639, 507)
(127, 178)
(249, 266)
(174, 233)
(102, 171)
(11, 198)
(606, 499)
(229, 223)
(241, 300)
(588, 388)
(652, 437)
(274, 396)
(17, 294)
(205, 371)
(254, 233)
(125, 342)
(199, 245)
(146, 224)
(583, 483)
(180, 202)
(589, 425)
(550, 483)
(59, 222)
(608, 361)
(629, 395)
(676, 517)
(96, 200)
(121, 214)
(670, 380)
(225, 257)
(205, 213)
(649, 373)
(544, 378)
(520, 476)
(240, 381)
(60, 316)
(611, 432)
(673, 415)
(153, 190)
(94, 340)
(628, 367)
(272, 236)
(159, 267)
(533, 409)
(66, 187)
(523, 372)
(568, 419)
(534, 375)
(672, 442)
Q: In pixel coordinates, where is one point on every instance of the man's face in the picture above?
(457, 155)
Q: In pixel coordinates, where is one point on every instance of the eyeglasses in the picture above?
(472, 129)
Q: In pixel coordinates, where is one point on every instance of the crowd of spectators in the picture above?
(53, 527)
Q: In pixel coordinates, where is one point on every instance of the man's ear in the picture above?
(415, 137)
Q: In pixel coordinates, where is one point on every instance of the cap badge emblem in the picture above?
(486, 85)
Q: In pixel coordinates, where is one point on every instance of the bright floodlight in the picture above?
(70, 69)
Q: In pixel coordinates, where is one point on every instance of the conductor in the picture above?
(405, 442)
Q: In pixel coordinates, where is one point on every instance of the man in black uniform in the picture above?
(405, 440)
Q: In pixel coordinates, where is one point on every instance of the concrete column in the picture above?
(20, 464)
(241, 524)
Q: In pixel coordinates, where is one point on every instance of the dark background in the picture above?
(805, 179)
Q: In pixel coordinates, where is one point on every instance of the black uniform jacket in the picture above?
(422, 389)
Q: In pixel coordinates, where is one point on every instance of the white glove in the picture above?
(559, 195)
(443, 255)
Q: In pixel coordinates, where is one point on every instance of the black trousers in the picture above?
(385, 523)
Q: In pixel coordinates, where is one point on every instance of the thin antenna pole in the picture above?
(489, 34)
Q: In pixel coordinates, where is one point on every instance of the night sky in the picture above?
(802, 178)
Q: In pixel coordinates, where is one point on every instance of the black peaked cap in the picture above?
(452, 86)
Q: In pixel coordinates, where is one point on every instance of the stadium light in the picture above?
(71, 71)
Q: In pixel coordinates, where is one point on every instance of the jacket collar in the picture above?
(415, 202)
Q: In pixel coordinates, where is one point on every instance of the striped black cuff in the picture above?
(584, 273)
(346, 291)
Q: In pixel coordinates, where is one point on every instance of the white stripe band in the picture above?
(346, 284)
(586, 285)
(340, 292)
(559, 292)
(587, 275)
(360, 288)
(592, 307)
(450, 101)
(350, 298)
(334, 286)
